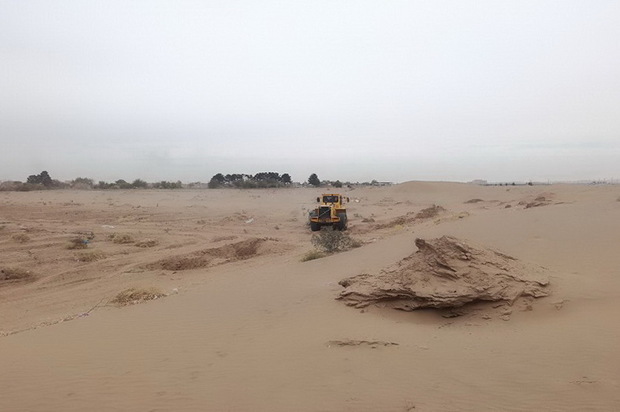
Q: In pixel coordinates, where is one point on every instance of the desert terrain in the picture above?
(240, 323)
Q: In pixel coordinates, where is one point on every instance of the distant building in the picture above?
(479, 182)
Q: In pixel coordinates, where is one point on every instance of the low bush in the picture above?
(121, 238)
(90, 256)
(332, 241)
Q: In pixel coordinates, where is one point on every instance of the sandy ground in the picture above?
(247, 326)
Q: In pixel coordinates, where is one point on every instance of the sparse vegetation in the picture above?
(136, 184)
(78, 243)
(121, 238)
(332, 241)
(313, 254)
(147, 243)
(21, 237)
(429, 212)
(42, 181)
(82, 183)
(133, 296)
(168, 185)
(15, 274)
(90, 256)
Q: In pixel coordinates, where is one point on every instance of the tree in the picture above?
(314, 180)
(82, 183)
(139, 183)
(122, 184)
(42, 179)
(286, 179)
(337, 183)
(219, 178)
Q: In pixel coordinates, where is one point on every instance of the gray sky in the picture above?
(350, 90)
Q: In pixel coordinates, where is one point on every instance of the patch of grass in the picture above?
(121, 238)
(90, 256)
(77, 243)
(133, 296)
(21, 237)
(313, 254)
(332, 241)
(15, 274)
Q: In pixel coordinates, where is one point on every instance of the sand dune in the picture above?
(246, 326)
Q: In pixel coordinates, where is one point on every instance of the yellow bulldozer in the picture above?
(330, 212)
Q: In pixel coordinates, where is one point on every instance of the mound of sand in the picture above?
(446, 273)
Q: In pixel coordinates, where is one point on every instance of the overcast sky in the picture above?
(350, 90)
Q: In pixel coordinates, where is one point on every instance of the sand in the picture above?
(234, 321)
(447, 273)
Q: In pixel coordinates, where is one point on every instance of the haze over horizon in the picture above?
(396, 91)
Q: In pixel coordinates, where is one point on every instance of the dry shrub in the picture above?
(147, 243)
(133, 296)
(430, 212)
(313, 254)
(90, 256)
(121, 238)
(332, 241)
(21, 237)
(77, 243)
(16, 274)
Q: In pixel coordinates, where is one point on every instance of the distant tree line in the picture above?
(246, 181)
(138, 184)
(314, 180)
(44, 181)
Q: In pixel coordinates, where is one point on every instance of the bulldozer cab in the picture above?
(332, 199)
(330, 212)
